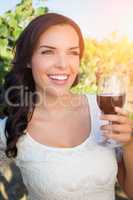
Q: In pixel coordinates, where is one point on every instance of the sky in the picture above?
(96, 18)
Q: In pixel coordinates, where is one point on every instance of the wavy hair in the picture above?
(19, 80)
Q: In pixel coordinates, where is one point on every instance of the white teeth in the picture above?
(58, 77)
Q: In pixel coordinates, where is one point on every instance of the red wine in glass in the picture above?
(107, 102)
(111, 93)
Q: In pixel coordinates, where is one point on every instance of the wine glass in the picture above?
(111, 92)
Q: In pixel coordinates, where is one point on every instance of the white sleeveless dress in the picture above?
(84, 172)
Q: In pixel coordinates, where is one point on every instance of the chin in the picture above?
(58, 91)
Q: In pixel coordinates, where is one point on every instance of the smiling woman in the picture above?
(51, 137)
(55, 61)
(53, 52)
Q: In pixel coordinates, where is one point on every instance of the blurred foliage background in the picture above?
(12, 23)
(111, 54)
(100, 57)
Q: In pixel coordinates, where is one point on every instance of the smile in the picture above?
(59, 78)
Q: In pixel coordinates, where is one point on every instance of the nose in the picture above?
(61, 61)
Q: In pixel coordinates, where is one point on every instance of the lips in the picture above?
(59, 78)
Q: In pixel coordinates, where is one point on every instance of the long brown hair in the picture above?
(20, 76)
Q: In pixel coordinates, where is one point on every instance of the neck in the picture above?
(57, 103)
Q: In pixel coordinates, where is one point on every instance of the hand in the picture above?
(121, 127)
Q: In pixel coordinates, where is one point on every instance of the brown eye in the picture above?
(47, 52)
(76, 53)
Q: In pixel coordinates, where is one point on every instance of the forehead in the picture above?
(60, 34)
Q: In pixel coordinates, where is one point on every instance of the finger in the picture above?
(120, 111)
(122, 138)
(117, 118)
(124, 113)
(118, 128)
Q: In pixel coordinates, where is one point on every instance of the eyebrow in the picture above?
(51, 47)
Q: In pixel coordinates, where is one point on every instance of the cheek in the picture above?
(38, 70)
(40, 66)
(75, 65)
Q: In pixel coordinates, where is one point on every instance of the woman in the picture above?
(49, 130)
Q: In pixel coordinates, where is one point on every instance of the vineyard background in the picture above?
(100, 58)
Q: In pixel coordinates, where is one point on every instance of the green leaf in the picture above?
(3, 43)
(3, 30)
(40, 11)
(16, 32)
